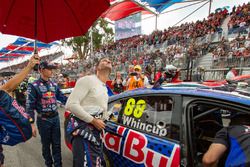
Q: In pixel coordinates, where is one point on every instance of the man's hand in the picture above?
(33, 130)
(13, 83)
(33, 61)
(98, 123)
(141, 76)
(75, 132)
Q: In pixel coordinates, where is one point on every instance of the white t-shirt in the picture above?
(88, 98)
(247, 43)
(230, 75)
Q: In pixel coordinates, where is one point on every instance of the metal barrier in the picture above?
(223, 62)
(220, 74)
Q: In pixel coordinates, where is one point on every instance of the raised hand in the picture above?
(33, 61)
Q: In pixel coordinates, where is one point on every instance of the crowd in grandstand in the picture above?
(180, 43)
(232, 53)
(240, 18)
(177, 45)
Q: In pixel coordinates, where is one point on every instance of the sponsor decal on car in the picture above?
(133, 113)
(137, 147)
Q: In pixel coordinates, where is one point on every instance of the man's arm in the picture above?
(113, 82)
(214, 153)
(13, 83)
(31, 101)
(79, 92)
(126, 82)
(216, 149)
(59, 96)
(146, 82)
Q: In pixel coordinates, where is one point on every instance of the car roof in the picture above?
(209, 93)
(184, 84)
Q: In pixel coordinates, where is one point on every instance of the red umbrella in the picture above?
(49, 20)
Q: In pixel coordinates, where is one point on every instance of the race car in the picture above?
(168, 126)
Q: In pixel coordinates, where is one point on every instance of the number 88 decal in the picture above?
(135, 108)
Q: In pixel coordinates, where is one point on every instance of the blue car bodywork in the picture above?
(127, 144)
(188, 92)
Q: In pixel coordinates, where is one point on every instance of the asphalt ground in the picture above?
(29, 154)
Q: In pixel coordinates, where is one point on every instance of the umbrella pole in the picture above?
(35, 47)
(35, 35)
(35, 53)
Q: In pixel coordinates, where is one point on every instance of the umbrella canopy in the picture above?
(161, 5)
(49, 20)
(122, 9)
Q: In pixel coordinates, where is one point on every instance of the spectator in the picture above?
(199, 76)
(159, 74)
(117, 83)
(231, 74)
(136, 79)
(149, 74)
(172, 74)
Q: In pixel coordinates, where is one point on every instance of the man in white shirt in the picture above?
(89, 102)
(231, 74)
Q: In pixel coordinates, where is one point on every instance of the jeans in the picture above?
(49, 130)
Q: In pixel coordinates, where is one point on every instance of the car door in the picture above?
(203, 119)
(142, 132)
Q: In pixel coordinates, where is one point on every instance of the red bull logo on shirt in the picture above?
(49, 95)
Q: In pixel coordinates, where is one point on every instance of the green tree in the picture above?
(102, 34)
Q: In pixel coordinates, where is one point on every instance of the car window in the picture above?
(206, 120)
(113, 110)
(149, 114)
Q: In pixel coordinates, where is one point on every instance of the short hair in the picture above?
(98, 62)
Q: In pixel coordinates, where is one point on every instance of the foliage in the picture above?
(102, 34)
